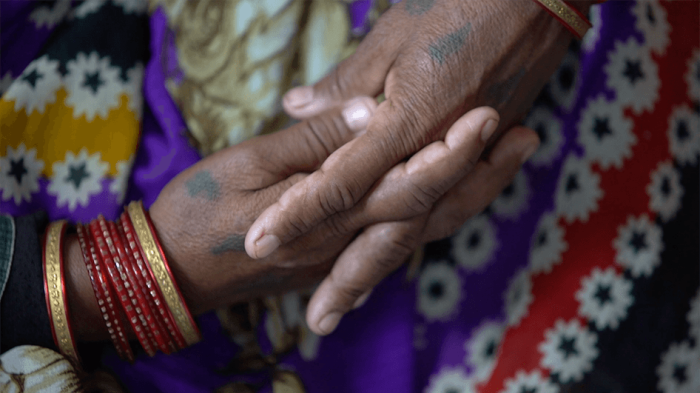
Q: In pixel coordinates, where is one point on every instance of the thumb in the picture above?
(361, 74)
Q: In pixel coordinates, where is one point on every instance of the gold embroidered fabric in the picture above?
(237, 58)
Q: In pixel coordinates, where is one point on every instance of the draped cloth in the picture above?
(582, 275)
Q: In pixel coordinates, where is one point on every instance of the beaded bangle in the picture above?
(138, 302)
(567, 15)
(103, 291)
(164, 279)
(101, 301)
(115, 278)
(55, 291)
(156, 301)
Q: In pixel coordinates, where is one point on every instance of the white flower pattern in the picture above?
(482, 349)
(547, 245)
(692, 77)
(605, 133)
(604, 298)
(120, 183)
(665, 191)
(532, 382)
(19, 174)
(50, 16)
(684, 135)
(6, 82)
(77, 178)
(439, 291)
(549, 129)
(564, 82)
(578, 190)
(652, 23)
(638, 246)
(514, 199)
(678, 370)
(36, 87)
(569, 350)
(134, 89)
(475, 243)
(518, 297)
(93, 86)
(633, 75)
(87, 7)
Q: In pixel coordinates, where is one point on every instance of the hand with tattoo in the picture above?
(203, 214)
(433, 60)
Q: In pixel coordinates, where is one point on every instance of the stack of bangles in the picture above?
(569, 16)
(130, 278)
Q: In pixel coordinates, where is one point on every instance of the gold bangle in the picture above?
(55, 291)
(163, 277)
(572, 19)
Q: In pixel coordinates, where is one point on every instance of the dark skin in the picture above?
(202, 215)
(434, 60)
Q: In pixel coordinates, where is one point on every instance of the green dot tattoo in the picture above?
(419, 7)
(231, 243)
(203, 183)
(450, 44)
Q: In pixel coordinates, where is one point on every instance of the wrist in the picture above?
(85, 316)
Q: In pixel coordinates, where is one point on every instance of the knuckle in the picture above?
(339, 196)
(420, 199)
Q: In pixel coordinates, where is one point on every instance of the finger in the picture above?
(304, 146)
(482, 185)
(407, 190)
(373, 255)
(361, 74)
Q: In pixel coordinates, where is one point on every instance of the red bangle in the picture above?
(105, 297)
(193, 335)
(157, 330)
(55, 291)
(570, 17)
(157, 300)
(138, 301)
(114, 275)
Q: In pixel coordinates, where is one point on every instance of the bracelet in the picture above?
(55, 291)
(567, 15)
(118, 278)
(105, 298)
(130, 278)
(149, 322)
(156, 260)
(157, 303)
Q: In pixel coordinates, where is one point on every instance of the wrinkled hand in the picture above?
(202, 215)
(383, 247)
(434, 60)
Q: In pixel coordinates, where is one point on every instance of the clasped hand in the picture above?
(202, 216)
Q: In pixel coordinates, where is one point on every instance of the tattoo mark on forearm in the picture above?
(450, 44)
(203, 183)
(231, 243)
(501, 92)
(419, 7)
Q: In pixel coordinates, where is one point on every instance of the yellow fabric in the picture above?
(56, 131)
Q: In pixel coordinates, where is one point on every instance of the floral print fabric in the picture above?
(582, 276)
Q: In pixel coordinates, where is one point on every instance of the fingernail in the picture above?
(329, 322)
(299, 96)
(529, 151)
(356, 115)
(266, 245)
(488, 130)
(361, 300)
